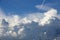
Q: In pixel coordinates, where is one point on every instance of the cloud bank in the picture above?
(17, 27)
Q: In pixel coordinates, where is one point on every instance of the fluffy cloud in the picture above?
(13, 20)
(24, 26)
(11, 33)
(48, 15)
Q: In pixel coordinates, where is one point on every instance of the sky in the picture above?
(25, 6)
(30, 19)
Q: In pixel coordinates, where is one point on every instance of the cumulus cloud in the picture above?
(22, 24)
(11, 33)
(48, 15)
(13, 20)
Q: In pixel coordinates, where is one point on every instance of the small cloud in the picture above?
(20, 31)
(43, 7)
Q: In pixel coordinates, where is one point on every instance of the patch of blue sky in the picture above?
(26, 6)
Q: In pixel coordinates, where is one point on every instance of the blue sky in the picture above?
(26, 6)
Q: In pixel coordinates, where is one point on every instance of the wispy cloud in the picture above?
(43, 7)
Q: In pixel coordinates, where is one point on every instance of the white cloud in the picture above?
(15, 20)
(11, 33)
(25, 20)
(48, 15)
(43, 7)
(41, 18)
(35, 16)
(20, 31)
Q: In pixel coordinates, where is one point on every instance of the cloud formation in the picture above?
(16, 26)
(43, 7)
(47, 16)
